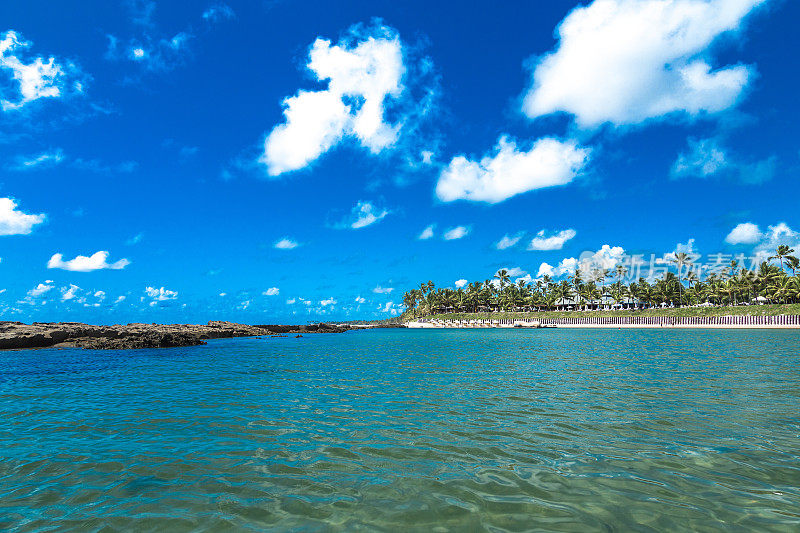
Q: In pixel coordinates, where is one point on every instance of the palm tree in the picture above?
(783, 252)
(577, 285)
(793, 263)
(681, 259)
(503, 277)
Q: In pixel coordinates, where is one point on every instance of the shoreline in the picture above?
(617, 326)
(712, 322)
(20, 336)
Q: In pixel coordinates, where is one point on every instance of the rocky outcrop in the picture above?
(16, 335)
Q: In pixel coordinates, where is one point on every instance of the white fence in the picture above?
(779, 321)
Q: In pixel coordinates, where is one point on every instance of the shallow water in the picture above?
(412, 430)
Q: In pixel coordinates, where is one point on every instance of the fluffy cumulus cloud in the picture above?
(426, 234)
(707, 158)
(589, 263)
(382, 290)
(458, 232)
(160, 294)
(567, 266)
(391, 308)
(545, 269)
(328, 302)
(15, 222)
(81, 263)
(765, 242)
(364, 72)
(744, 233)
(555, 241)
(41, 289)
(34, 79)
(69, 293)
(285, 244)
(509, 241)
(626, 61)
(514, 272)
(607, 257)
(508, 171)
(362, 215)
(461, 283)
(272, 291)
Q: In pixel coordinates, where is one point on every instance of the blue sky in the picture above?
(279, 161)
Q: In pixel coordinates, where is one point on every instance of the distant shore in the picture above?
(617, 322)
(16, 335)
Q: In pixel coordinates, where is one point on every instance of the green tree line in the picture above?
(734, 285)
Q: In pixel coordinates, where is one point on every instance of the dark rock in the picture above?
(16, 335)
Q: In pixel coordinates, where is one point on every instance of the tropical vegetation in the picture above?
(603, 289)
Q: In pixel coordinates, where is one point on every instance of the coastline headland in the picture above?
(618, 322)
(16, 335)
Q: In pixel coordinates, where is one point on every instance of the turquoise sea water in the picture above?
(408, 430)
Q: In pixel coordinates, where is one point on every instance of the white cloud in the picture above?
(382, 290)
(69, 293)
(100, 295)
(527, 278)
(291, 301)
(119, 299)
(40, 289)
(687, 248)
(545, 269)
(508, 171)
(567, 265)
(362, 215)
(461, 283)
(707, 158)
(607, 257)
(458, 232)
(13, 222)
(426, 234)
(97, 261)
(52, 158)
(218, 12)
(745, 233)
(513, 272)
(359, 300)
(161, 294)
(272, 291)
(627, 61)
(223, 294)
(390, 307)
(774, 236)
(39, 161)
(150, 48)
(136, 239)
(361, 78)
(285, 244)
(509, 240)
(37, 79)
(556, 241)
(328, 302)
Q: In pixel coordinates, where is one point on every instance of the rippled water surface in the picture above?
(404, 430)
